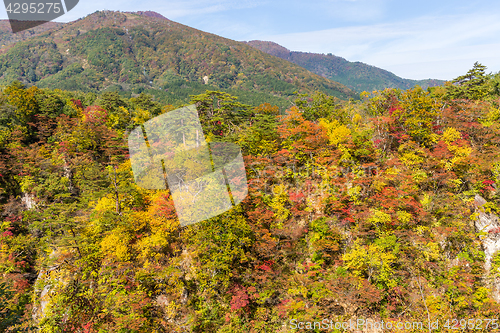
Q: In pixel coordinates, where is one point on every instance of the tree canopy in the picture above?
(355, 209)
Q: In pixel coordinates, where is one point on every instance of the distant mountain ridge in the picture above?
(146, 52)
(355, 75)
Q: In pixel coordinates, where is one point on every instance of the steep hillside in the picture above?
(355, 75)
(384, 209)
(132, 53)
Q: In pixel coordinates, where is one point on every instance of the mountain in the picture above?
(145, 52)
(355, 75)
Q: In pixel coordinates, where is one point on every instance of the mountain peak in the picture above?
(149, 13)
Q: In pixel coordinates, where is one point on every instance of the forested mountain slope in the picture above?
(136, 52)
(355, 75)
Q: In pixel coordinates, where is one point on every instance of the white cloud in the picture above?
(351, 10)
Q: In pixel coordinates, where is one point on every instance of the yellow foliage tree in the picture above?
(337, 133)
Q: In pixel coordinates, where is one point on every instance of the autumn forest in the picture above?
(361, 206)
(366, 208)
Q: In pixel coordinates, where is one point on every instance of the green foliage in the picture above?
(220, 113)
(325, 239)
(145, 102)
(473, 85)
(31, 61)
(261, 136)
(320, 105)
(417, 113)
(10, 312)
(73, 77)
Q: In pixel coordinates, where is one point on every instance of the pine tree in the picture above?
(473, 85)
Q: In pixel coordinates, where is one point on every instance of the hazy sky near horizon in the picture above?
(418, 39)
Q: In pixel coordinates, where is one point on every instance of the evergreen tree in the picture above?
(473, 85)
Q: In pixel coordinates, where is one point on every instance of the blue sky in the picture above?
(417, 39)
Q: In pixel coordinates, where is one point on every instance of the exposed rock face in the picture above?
(49, 282)
(489, 223)
(39, 310)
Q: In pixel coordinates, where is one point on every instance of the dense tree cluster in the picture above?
(357, 209)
